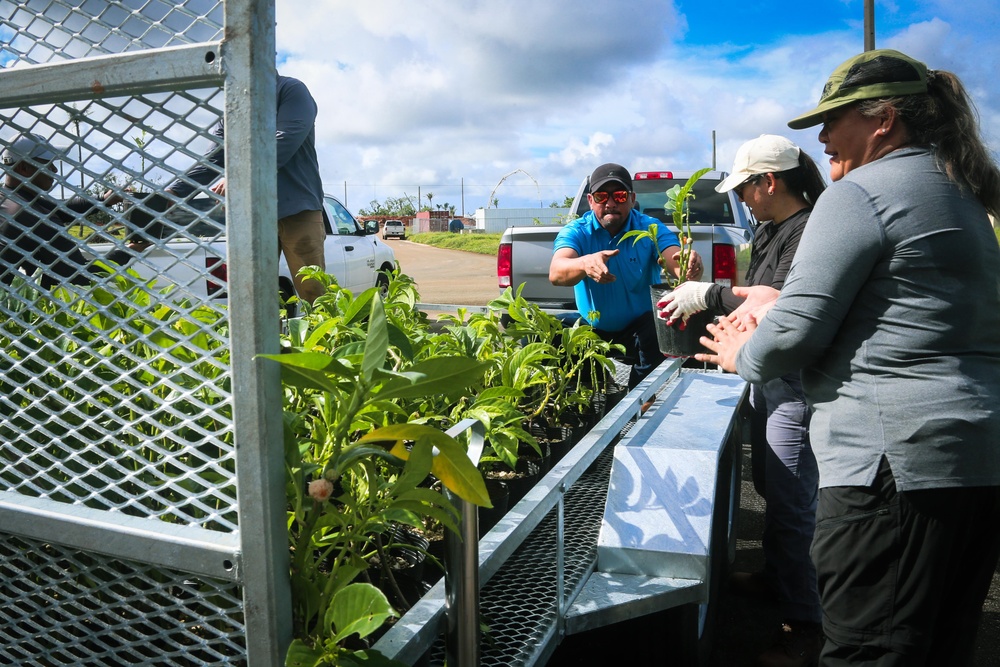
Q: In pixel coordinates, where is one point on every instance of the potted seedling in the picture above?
(681, 338)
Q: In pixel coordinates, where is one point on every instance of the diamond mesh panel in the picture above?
(116, 387)
(65, 607)
(115, 377)
(519, 604)
(43, 31)
(115, 374)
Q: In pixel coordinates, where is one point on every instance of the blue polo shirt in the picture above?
(620, 302)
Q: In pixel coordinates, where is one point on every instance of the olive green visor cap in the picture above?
(871, 75)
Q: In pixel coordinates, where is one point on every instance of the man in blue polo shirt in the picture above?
(611, 281)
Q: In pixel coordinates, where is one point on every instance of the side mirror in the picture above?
(371, 226)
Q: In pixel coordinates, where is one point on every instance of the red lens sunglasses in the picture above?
(620, 196)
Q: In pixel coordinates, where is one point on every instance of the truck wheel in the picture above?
(382, 283)
(287, 292)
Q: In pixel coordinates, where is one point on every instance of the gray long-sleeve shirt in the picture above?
(892, 308)
(299, 185)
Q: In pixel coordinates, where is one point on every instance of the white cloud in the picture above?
(451, 93)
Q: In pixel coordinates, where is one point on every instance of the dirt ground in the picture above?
(444, 276)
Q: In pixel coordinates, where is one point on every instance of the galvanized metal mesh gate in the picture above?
(126, 412)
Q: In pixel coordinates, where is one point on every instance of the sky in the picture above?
(459, 99)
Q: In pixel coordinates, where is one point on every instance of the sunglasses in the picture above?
(750, 181)
(620, 197)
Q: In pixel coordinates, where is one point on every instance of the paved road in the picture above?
(448, 276)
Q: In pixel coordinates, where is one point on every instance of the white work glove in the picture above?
(683, 302)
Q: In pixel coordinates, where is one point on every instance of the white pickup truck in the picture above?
(194, 259)
(720, 226)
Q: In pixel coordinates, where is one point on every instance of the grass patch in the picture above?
(482, 244)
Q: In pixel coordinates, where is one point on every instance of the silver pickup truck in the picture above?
(720, 226)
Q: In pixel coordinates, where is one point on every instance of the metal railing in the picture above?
(540, 512)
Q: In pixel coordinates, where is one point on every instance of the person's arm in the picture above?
(296, 118)
(567, 267)
(821, 286)
(204, 172)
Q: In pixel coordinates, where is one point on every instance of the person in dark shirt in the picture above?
(779, 183)
(35, 227)
(301, 230)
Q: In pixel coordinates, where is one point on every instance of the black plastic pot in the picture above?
(406, 549)
(500, 498)
(674, 341)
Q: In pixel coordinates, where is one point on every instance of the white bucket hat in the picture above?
(767, 154)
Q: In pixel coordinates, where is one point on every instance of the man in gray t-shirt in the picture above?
(301, 231)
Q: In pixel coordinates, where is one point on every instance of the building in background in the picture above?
(495, 220)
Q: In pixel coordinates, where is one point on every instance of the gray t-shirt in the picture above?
(299, 185)
(892, 310)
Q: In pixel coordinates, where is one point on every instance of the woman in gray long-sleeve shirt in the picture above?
(892, 307)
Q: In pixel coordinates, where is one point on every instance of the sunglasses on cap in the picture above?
(620, 197)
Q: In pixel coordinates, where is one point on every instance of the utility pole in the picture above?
(869, 25)
(713, 150)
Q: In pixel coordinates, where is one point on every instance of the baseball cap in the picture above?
(29, 146)
(767, 154)
(608, 173)
(870, 75)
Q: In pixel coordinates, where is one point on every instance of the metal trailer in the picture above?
(127, 535)
(638, 518)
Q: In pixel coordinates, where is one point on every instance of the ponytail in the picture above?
(805, 180)
(945, 120)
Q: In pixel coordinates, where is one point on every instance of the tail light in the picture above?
(653, 175)
(505, 271)
(724, 264)
(216, 268)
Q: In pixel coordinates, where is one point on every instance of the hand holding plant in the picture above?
(680, 211)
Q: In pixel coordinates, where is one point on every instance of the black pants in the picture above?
(903, 576)
(641, 347)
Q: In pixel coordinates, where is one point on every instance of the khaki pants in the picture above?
(301, 237)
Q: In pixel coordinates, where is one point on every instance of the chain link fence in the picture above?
(120, 503)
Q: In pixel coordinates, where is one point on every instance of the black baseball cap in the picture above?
(608, 173)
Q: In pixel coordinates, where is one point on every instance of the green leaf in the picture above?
(401, 340)
(301, 654)
(356, 309)
(311, 370)
(355, 453)
(377, 341)
(316, 336)
(447, 376)
(358, 609)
